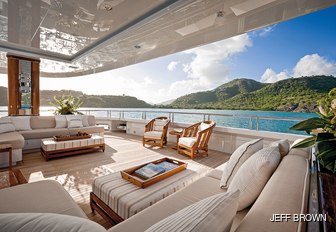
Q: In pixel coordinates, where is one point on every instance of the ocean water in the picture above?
(263, 120)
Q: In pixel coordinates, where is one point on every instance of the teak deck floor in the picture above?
(123, 151)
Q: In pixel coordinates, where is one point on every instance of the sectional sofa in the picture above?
(285, 192)
(25, 132)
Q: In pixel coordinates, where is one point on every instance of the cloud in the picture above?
(314, 64)
(265, 31)
(308, 65)
(270, 76)
(172, 65)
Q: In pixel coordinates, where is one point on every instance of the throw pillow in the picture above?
(21, 123)
(254, 174)
(39, 222)
(61, 121)
(159, 124)
(6, 125)
(238, 157)
(283, 146)
(85, 119)
(204, 215)
(203, 126)
(74, 121)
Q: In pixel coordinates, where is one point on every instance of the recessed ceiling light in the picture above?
(107, 7)
(137, 46)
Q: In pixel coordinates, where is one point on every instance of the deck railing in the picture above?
(252, 122)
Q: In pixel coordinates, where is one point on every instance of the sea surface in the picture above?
(263, 120)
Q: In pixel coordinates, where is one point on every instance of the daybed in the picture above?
(285, 192)
(25, 132)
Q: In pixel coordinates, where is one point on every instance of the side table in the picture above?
(178, 132)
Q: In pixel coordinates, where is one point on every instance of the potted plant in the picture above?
(323, 137)
(67, 105)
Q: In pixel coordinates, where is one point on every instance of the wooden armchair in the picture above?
(156, 132)
(195, 138)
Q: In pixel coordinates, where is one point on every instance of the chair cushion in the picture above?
(159, 124)
(203, 126)
(283, 146)
(153, 134)
(202, 215)
(187, 141)
(6, 125)
(254, 174)
(238, 157)
(37, 222)
(21, 123)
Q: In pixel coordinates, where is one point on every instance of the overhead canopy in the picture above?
(77, 37)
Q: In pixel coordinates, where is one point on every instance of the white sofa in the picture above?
(285, 192)
(27, 132)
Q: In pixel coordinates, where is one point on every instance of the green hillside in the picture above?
(98, 101)
(294, 94)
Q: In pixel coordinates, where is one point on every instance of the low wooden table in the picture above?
(117, 199)
(11, 176)
(53, 149)
(178, 132)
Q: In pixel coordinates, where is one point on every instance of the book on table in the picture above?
(149, 170)
(167, 165)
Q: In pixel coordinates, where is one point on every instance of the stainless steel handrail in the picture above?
(171, 114)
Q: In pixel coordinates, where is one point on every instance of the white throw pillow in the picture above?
(238, 157)
(203, 126)
(6, 125)
(213, 214)
(85, 119)
(283, 146)
(61, 121)
(253, 175)
(43, 222)
(74, 121)
(21, 123)
(159, 124)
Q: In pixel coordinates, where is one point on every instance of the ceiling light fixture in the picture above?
(137, 46)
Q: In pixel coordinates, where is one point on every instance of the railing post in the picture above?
(251, 123)
(203, 117)
(257, 123)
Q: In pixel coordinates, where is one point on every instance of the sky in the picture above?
(302, 46)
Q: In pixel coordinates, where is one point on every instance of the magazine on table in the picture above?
(149, 170)
(167, 165)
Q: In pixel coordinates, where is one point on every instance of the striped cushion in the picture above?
(213, 214)
(241, 154)
(159, 124)
(254, 174)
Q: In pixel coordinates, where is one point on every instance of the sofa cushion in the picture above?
(6, 125)
(44, 133)
(21, 122)
(14, 138)
(283, 146)
(74, 121)
(202, 215)
(39, 222)
(47, 196)
(200, 189)
(42, 122)
(254, 174)
(238, 157)
(61, 121)
(91, 120)
(187, 141)
(286, 192)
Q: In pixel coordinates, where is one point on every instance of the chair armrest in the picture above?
(149, 126)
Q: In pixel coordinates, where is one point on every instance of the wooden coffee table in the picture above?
(53, 149)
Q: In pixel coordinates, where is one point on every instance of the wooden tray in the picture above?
(58, 138)
(129, 175)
